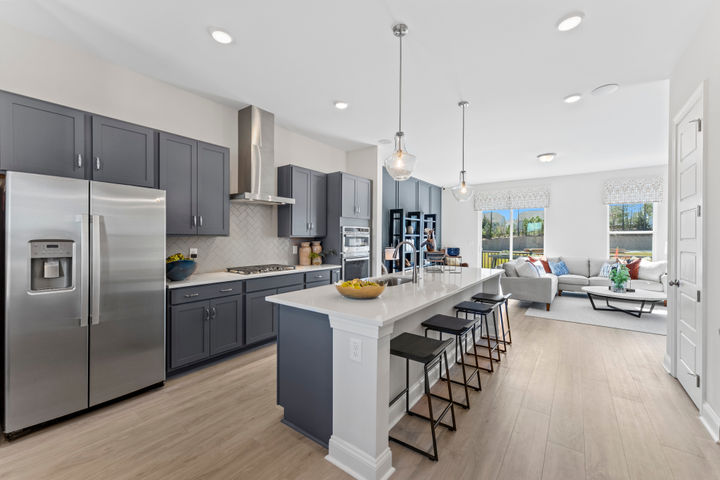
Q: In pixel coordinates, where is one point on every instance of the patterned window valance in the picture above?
(538, 197)
(633, 190)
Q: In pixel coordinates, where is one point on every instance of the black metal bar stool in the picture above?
(429, 352)
(482, 310)
(496, 298)
(461, 329)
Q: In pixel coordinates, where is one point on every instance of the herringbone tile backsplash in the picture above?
(253, 240)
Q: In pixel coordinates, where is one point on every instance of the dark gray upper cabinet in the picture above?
(123, 153)
(259, 315)
(349, 209)
(226, 324)
(307, 217)
(196, 178)
(354, 194)
(213, 190)
(178, 177)
(407, 195)
(189, 333)
(318, 207)
(41, 137)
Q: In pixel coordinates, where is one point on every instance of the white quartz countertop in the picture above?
(219, 277)
(394, 303)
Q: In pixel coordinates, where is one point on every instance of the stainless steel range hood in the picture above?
(257, 175)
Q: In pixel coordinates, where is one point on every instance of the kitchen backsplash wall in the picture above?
(253, 240)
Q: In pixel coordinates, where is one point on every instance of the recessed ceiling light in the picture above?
(221, 36)
(384, 141)
(546, 157)
(574, 98)
(341, 105)
(607, 89)
(570, 21)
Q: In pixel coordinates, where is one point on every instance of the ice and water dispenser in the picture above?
(51, 263)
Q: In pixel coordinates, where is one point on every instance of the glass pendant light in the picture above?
(400, 163)
(461, 191)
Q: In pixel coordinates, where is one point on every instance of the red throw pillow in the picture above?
(542, 260)
(634, 267)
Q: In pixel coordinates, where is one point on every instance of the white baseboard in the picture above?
(357, 463)
(711, 420)
(667, 363)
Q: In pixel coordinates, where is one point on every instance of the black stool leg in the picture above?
(452, 408)
(461, 362)
(507, 315)
(430, 411)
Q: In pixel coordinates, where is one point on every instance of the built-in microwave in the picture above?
(355, 242)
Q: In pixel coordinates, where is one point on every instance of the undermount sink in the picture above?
(394, 281)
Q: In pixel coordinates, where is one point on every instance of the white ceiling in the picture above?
(295, 58)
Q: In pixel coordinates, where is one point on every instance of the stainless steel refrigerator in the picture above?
(84, 295)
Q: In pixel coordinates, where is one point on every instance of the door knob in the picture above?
(674, 283)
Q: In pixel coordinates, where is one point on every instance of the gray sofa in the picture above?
(583, 271)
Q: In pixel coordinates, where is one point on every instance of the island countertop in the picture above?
(395, 302)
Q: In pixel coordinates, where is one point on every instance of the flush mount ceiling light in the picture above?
(607, 89)
(574, 98)
(220, 36)
(570, 21)
(400, 163)
(341, 105)
(546, 157)
(461, 192)
(384, 141)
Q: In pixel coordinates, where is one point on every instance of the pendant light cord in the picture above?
(463, 138)
(400, 88)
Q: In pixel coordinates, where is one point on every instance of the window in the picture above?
(511, 233)
(630, 228)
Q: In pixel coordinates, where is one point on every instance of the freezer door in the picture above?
(127, 298)
(46, 333)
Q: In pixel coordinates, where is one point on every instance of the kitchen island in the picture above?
(335, 373)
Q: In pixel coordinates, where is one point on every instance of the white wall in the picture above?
(296, 149)
(575, 222)
(701, 62)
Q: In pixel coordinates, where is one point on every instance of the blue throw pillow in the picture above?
(559, 268)
(605, 269)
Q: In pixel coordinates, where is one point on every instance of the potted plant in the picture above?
(317, 258)
(619, 276)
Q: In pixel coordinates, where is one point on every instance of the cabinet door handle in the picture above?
(97, 163)
(207, 313)
(191, 295)
(194, 221)
(79, 160)
(225, 290)
(213, 312)
(201, 222)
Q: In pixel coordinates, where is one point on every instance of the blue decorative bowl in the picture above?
(453, 252)
(180, 269)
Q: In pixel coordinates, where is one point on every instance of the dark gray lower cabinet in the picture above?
(189, 333)
(226, 324)
(260, 324)
(335, 275)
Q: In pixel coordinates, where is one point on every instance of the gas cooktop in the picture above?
(253, 269)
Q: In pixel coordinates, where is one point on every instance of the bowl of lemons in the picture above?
(178, 267)
(360, 289)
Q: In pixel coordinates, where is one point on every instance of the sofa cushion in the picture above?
(510, 270)
(577, 265)
(596, 265)
(571, 279)
(599, 281)
(527, 270)
(647, 285)
(559, 268)
(652, 270)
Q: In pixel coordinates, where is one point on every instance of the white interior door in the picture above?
(688, 160)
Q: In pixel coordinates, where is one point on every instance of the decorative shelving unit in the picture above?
(406, 226)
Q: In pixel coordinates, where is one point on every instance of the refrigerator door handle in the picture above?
(84, 287)
(95, 296)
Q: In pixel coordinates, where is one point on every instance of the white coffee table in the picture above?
(645, 298)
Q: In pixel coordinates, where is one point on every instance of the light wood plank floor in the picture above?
(569, 401)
